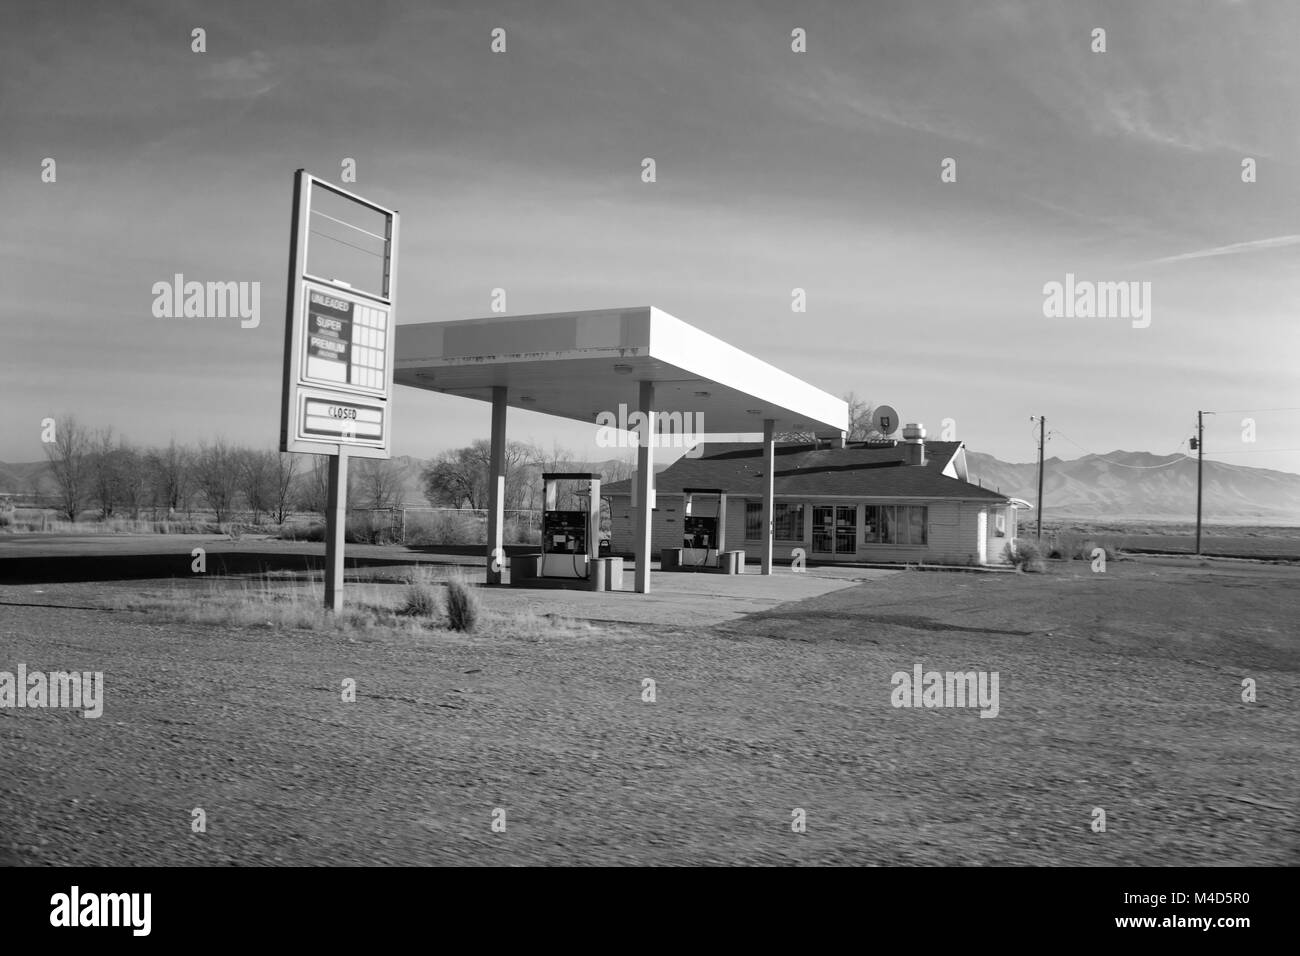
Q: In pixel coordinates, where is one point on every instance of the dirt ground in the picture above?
(1119, 690)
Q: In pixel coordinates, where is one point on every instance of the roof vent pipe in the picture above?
(914, 444)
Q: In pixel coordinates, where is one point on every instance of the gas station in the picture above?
(583, 365)
(344, 351)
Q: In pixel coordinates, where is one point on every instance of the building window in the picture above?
(872, 520)
(915, 524)
(787, 521)
(1000, 523)
(895, 524)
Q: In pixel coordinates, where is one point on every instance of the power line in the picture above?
(1122, 464)
(1255, 451)
(1242, 411)
(1228, 464)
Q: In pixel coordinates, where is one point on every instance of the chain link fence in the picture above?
(445, 525)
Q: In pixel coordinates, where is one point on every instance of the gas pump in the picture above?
(570, 538)
(701, 531)
(565, 531)
(704, 528)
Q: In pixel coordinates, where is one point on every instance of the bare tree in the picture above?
(172, 477)
(453, 480)
(104, 477)
(557, 460)
(257, 474)
(217, 476)
(36, 487)
(132, 478)
(860, 426)
(859, 416)
(378, 481)
(68, 455)
(459, 478)
(861, 412)
(313, 494)
(286, 468)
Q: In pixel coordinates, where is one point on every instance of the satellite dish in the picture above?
(885, 420)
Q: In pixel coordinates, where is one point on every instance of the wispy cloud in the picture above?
(1254, 245)
(240, 77)
(845, 100)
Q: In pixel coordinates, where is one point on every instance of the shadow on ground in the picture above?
(69, 569)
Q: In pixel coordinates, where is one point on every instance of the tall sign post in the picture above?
(338, 342)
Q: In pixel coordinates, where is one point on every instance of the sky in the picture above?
(775, 170)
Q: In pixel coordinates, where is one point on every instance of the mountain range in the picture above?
(1136, 485)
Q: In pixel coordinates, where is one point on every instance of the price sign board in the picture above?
(339, 326)
(346, 342)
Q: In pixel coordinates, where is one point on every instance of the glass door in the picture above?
(846, 529)
(823, 529)
(835, 529)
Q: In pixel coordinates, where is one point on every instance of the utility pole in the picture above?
(1042, 425)
(1200, 461)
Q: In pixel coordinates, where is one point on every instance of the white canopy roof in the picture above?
(578, 364)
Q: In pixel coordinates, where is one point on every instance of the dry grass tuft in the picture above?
(275, 602)
(462, 604)
(1026, 555)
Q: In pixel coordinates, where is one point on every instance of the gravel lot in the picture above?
(1119, 690)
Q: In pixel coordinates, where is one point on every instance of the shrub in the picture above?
(421, 600)
(184, 526)
(1071, 546)
(464, 527)
(1064, 546)
(462, 605)
(515, 531)
(315, 531)
(1110, 545)
(445, 527)
(1026, 555)
(372, 527)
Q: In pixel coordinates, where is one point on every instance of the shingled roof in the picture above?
(802, 470)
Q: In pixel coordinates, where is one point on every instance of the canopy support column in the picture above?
(496, 555)
(769, 467)
(645, 485)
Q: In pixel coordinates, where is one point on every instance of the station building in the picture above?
(851, 502)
